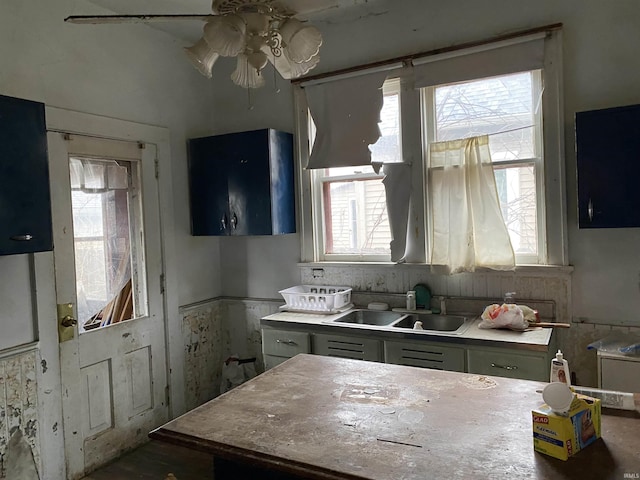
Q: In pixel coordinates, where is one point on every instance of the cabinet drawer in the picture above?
(284, 343)
(424, 355)
(620, 374)
(345, 346)
(508, 364)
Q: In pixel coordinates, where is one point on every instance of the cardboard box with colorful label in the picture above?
(562, 436)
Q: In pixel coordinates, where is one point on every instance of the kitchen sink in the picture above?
(370, 317)
(440, 323)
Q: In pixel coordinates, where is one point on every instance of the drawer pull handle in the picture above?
(286, 342)
(22, 238)
(506, 367)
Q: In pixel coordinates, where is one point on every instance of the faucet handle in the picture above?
(510, 297)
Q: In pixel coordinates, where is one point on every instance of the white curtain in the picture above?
(468, 227)
(346, 113)
(397, 184)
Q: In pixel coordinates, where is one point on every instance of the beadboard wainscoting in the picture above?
(19, 404)
(212, 331)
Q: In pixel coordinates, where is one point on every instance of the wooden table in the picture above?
(329, 418)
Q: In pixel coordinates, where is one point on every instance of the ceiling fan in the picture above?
(254, 31)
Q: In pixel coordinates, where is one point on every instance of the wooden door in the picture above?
(113, 374)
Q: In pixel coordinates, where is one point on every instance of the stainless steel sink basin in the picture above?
(370, 317)
(440, 323)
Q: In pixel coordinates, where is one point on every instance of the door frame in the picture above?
(49, 380)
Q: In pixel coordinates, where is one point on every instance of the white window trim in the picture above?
(553, 203)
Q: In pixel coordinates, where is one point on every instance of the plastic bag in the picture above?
(627, 344)
(507, 315)
(236, 371)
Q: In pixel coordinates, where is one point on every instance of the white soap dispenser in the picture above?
(560, 369)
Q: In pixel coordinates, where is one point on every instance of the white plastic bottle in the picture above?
(411, 300)
(560, 369)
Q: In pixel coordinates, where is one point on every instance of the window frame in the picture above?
(552, 235)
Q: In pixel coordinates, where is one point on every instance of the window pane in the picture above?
(517, 192)
(355, 216)
(103, 250)
(489, 106)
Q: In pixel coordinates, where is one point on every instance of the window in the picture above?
(463, 95)
(507, 108)
(105, 199)
(352, 200)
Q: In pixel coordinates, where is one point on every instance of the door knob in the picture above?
(68, 321)
(65, 322)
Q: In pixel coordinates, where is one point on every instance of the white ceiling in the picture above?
(190, 30)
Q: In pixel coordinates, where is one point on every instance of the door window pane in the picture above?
(106, 208)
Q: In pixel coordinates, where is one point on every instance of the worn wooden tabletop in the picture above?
(329, 418)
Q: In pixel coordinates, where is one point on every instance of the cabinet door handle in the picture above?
(223, 222)
(22, 238)
(590, 210)
(234, 221)
(505, 367)
(286, 342)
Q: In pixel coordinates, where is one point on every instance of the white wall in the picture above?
(601, 69)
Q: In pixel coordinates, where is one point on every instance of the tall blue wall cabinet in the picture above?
(608, 160)
(25, 203)
(242, 184)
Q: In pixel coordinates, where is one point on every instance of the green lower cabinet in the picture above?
(347, 346)
(502, 362)
(424, 354)
(278, 345)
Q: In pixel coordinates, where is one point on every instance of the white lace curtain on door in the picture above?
(468, 226)
(101, 241)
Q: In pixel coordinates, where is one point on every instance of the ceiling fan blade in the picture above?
(102, 19)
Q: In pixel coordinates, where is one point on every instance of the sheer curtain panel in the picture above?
(468, 227)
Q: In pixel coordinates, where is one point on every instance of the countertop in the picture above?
(537, 339)
(330, 418)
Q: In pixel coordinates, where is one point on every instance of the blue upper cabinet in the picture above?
(608, 161)
(25, 203)
(242, 184)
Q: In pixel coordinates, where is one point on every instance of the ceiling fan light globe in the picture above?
(288, 69)
(255, 43)
(257, 60)
(302, 44)
(202, 57)
(245, 75)
(225, 34)
(300, 69)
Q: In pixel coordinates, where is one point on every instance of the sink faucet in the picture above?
(510, 297)
(443, 306)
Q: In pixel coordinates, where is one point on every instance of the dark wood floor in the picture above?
(155, 461)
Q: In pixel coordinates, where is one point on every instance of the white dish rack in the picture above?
(316, 298)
